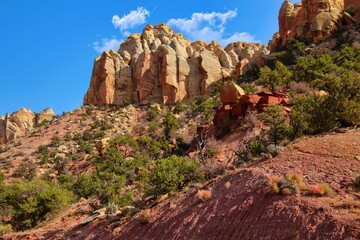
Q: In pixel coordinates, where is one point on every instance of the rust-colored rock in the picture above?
(162, 66)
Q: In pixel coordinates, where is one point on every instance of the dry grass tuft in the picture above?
(145, 215)
(203, 195)
(227, 185)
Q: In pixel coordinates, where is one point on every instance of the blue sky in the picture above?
(48, 46)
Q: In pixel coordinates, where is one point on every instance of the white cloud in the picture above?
(131, 20)
(210, 26)
(107, 44)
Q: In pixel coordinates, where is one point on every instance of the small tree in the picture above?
(274, 78)
(273, 116)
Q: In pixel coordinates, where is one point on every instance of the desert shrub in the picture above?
(178, 107)
(299, 87)
(111, 208)
(290, 184)
(253, 147)
(2, 177)
(248, 87)
(25, 171)
(174, 173)
(89, 110)
(152, 113)
(203, 195)
(321, 189)
(5, 149)
(34, 201)
(102, 125)
(5, 229)
(204, 105)
(66, 181)
(170, 124)
(42, 149)
(145, 215)
(251, 74)
(55, 141)
(273, 78)
(273, 116)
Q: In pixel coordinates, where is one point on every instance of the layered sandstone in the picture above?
(162, 66)
(18, 124)
(312, 19)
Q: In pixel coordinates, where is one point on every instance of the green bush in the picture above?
(174, 173)
(273, 116)
(5, 229)
(32, 202)
(152, 113)
(170, 124)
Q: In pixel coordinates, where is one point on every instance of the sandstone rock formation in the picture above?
(312, 19)
(162, 66)
(16, 125)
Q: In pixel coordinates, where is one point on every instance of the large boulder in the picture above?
(230, 92)
(164, 67)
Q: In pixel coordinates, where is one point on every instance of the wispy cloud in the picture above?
(106, 44)
(210, 26)
(125, 23)
(131, 20)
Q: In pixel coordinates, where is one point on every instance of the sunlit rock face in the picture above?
(162, 66)
(312, 19)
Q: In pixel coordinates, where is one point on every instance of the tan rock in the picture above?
(314, 19)
(230, 92)
(46, 115)
(24, 119)
(162, 66)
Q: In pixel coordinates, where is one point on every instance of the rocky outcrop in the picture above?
(312, 19)
(45, 116)
(236, 105)
(17, 125)
(162, 66)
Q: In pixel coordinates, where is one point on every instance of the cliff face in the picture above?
(312, 19)
(162, 66)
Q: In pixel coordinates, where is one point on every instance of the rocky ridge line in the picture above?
(162, 66)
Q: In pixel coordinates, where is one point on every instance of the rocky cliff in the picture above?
(162, 66)
(17, 124)
(314, 19)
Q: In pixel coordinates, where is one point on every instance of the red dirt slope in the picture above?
(244, 209)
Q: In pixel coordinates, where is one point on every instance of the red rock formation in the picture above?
(232, 110)
(164, 67)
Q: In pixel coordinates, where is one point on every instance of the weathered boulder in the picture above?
(230, 92)
(162, 66)
(45, 115)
